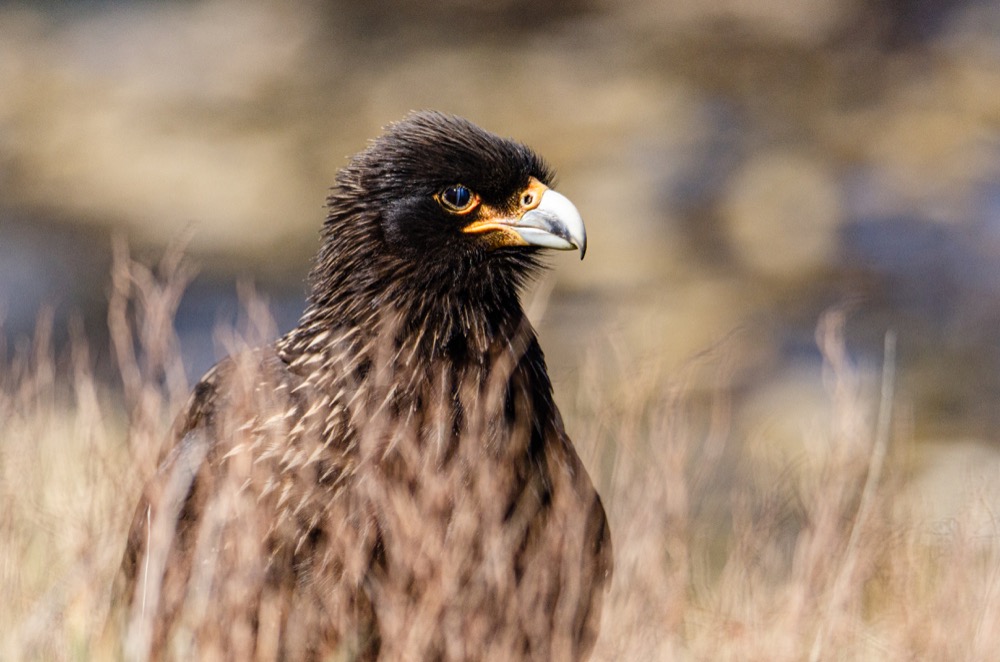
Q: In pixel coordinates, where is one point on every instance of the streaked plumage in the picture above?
(392, 479)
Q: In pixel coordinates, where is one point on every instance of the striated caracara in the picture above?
(391, 480)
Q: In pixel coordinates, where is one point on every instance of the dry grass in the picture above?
(818, 559)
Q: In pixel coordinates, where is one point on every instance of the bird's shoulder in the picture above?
(237, 382)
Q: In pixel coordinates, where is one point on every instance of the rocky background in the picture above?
(742, 166)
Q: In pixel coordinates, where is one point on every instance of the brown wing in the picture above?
(591, 568)
(224, 552)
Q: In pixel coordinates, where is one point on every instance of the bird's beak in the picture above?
(544, 218)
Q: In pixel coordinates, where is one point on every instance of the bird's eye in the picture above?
(458, 199)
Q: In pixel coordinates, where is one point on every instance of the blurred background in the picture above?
(742, 166)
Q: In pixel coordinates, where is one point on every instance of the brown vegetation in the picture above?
(819, 559)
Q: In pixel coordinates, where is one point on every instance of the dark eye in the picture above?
(458, 198)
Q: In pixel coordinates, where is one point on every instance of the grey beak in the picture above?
(554, 223)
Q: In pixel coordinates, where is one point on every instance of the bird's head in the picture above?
(439, 194)
(446, 187)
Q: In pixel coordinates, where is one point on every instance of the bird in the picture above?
(391, 479)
